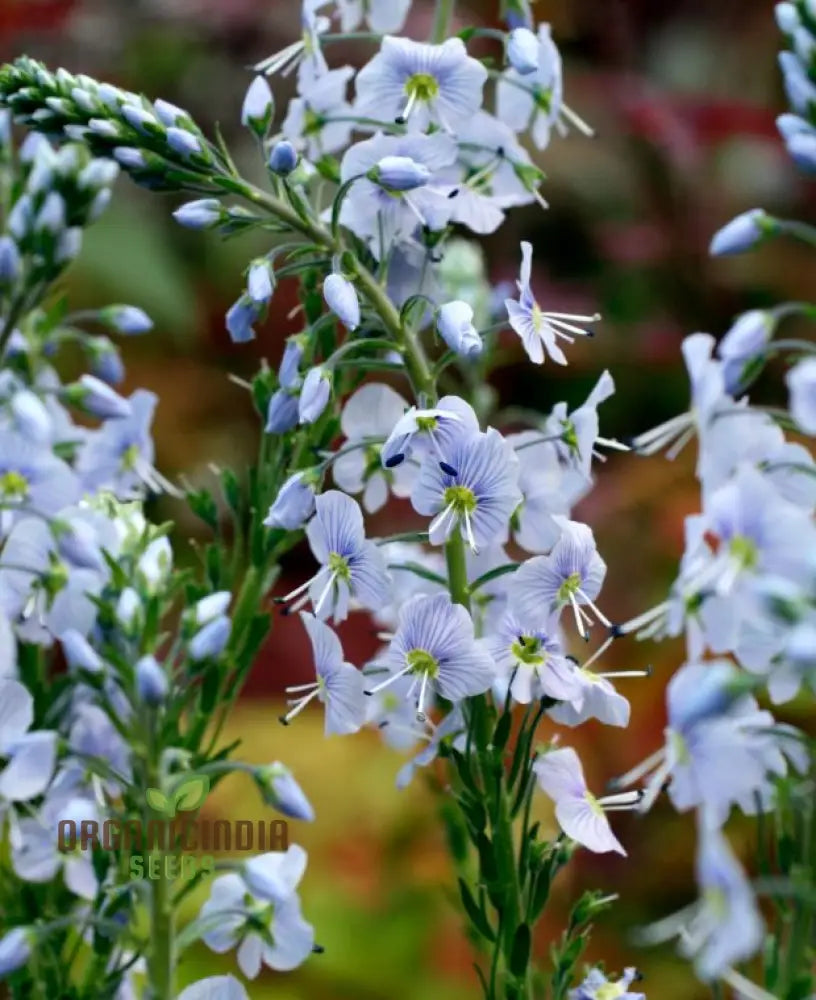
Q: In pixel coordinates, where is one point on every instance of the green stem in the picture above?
(162, 954)
(443, 15)
(457, 569)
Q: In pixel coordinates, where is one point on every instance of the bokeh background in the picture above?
(683, 96)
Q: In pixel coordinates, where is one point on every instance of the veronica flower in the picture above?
(537, 329)
(452, 728)
(31, 756)
(294, 504)
(37, 858)
(309, 121)
(416, 84)
(743, 347)
(708, 395)
(339, 685)
(305, 54)
(597, 986)
(801, 381)
(391, 710)
(381, 15)
(119, 457)
(454, 321)
(369, 417)
(710, 719)
(434, 644)
(382, 215)
(479, 499)
(341, 297)
(434, 431)
(352, 566)
(534, 662)
(580, 815)
(33, 477)
(215, 988)
(275, 876)
(595, 698)
(523, 51)
(266, 933)
(572, 574)
(724, 926)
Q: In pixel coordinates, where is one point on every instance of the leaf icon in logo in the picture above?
(190, 793)
(159, 802)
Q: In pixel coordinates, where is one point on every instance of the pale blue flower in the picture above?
(260, 281)
(151, 681)
(34, 477)
(283, 158)
(294, 504)
(15, 949)
(479, 499)
(240, 319)
(9, 261)
(799, 88)
(801, 382)
(434, 431)
(452, 729)
(571, 575)
(580, 815)
(211, 640)
(435, 645)
(382, 215)
(30, 755)
(369, 417)
(79, 653)
(289, 370)
(382, 16)
(341, 297)
(352, 565)
(339, 685)
(280, 790)
(37, 857)
(418, 84)
(454, 321)
(211, 607)
(523, 51)
(597, 986)
(258, 107)
(309, 121)
(282, 413)
(537, 329)
(275, 876)
(266, 933)
(314, 394)
(120, 455)
(92, 734)
(740, 234)
(215, 988)
(203, 213)
(534, 98)
(596, 698)
(744, 345)
(399, 173)
(533, 662)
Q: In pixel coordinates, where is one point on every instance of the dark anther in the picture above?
(448, 469)
(283, 720)
(400, 119)
(453, 194)
(394, 461)
(615, 631)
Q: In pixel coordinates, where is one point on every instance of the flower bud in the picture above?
(260, 281)
(787, 18)
(168, 114)
(522, 51)
(151, 681)
(141, 120)
(454, 321)
(130, 158)
(31, 416)
(802, 150)
(211, 640)
(155, 564)
(96, 397)
(259, 107)
(126, 319)
(801, 380)
(15, 949)
(105, 360)
(78, 543)
(240, 317)
(20, 217)
(201, 214)
(68, 245)
(279, 789)
(283, 158)
(128, 609)
(210, 607)
(294, 504)
(742, 233)
(400, 173)
(315, 394)
(9, 261)
(341, 298)
(183, 142)
(282, 414)
(79, 653)
(52, 216)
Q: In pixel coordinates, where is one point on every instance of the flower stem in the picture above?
(162, 956)
(443, 16)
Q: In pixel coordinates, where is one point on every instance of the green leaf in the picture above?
(475, 913)
(501, 734)
(520, 952)
(190, 793)
(158, 801)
